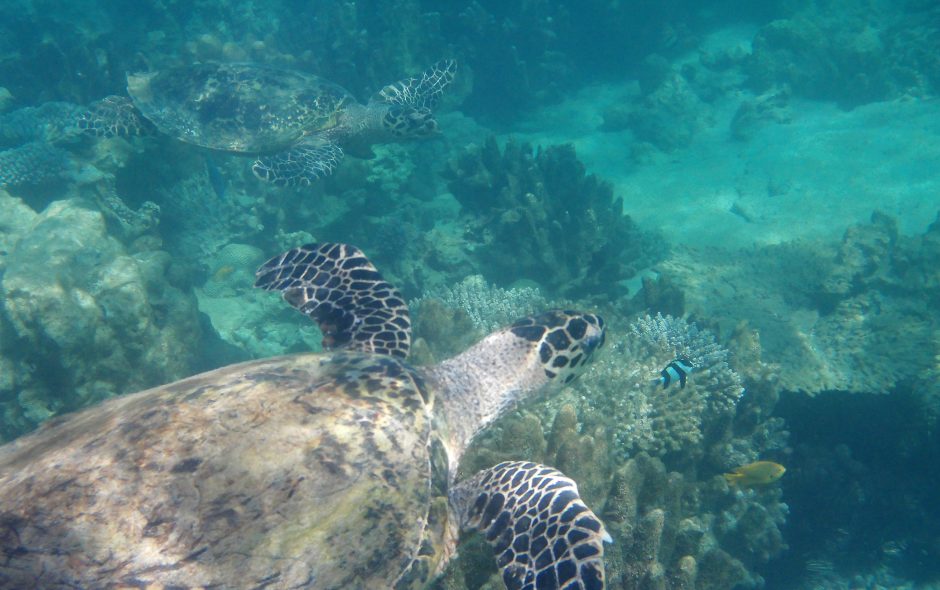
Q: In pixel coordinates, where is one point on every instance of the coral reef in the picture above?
(32, 163)
(487, 306)
(564, 229)
(770, 107)
(29, 135)
(862, 502)
(850, 52)
(673, 533)
(852, 317)
(449, 319)
(83, 318)
(671, 529)
(48, 122)
(669, 116)
(675, 421)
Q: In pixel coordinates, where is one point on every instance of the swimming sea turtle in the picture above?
(297, 123)
(329, 471)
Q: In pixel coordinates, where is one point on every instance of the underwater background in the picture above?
(754, 186)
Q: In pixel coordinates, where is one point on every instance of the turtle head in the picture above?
(406, 122)
(563, 341)
(511, 365)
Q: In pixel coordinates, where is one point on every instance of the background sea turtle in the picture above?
(328, 471)
(297, 123)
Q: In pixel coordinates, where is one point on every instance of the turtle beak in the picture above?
(596, 336)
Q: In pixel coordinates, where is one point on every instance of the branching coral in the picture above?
(674, 420)
(675, 533)
(448, 319)
(489, 307)
(561, 227)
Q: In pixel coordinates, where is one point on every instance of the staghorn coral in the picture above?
(561, 227)
(488, 307)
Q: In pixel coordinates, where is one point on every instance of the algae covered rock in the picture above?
(84, 319)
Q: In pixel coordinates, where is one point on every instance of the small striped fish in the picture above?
(677, 370)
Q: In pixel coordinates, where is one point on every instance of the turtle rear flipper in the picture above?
(113, 116)
(422, 91)
(300, 165)
(541, 532)
(337, 286)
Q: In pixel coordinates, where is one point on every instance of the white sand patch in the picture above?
(809, 178)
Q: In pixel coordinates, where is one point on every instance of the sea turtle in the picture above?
(333, 470)
(298, 124)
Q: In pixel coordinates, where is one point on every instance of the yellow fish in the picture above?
(758, 473)
(222, 273)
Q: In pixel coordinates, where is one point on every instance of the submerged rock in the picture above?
(83, 318)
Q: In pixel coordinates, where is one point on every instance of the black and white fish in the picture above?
(677, 370)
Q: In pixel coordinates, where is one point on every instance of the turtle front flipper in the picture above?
(113, 116)
(339, 289)
(543, 536)
(422, 91)
(300, 165)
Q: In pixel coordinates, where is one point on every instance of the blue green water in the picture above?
(757, 185)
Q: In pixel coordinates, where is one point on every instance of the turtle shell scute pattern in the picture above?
(338, 288)
(238, 107)
(542, 533)
(563, 335)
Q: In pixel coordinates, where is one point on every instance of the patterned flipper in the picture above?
(299, 166)
(113, 116)
(423, 91)
(337, 286)
(543, 535)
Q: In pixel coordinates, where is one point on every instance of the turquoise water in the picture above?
(756, 187)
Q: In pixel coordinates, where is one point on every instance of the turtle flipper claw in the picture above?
(543, 535)
(300, 165)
